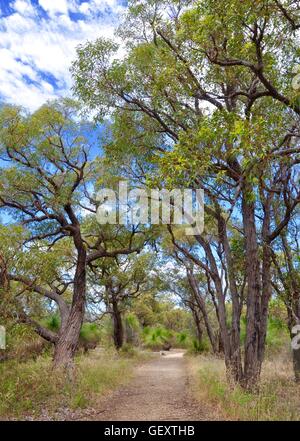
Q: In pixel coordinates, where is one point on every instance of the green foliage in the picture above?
(182, 337)
(199, 347)
(155, 338)
(277, 335)
(23, 343)
(132, 321)
(52, 323)
(128, 350)
(90, 332)
(277, 331)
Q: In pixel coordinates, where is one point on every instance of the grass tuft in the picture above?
(278, 397)
(29, 388)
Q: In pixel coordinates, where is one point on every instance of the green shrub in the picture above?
(90, 332)
(156, 338)
(133, 329)
(52, 323)
(198, 347)
(182, 338)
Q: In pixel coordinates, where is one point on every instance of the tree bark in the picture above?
(235, 369)
(118, 326)
(252, 365)
(67, 342)
(199, 330)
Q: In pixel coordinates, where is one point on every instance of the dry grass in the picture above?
(27, 389)
(278, 397)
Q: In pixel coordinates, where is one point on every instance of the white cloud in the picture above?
(84, 8)
(34, 47)
(54, 6)
(24, 7)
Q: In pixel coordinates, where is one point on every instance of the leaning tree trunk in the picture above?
(198, 326)
(118, 326)
(234, 369)
(202, 308)
(67, 342)
(221, 306)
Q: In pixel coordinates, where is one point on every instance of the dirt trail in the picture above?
(158, 391)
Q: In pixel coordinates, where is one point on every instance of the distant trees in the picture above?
(116, 282)
(190, 286)
(215, 109)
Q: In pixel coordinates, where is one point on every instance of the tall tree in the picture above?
(48, 186)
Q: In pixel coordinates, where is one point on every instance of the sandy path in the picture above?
(159, 391)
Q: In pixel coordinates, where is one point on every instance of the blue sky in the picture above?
(38, 40)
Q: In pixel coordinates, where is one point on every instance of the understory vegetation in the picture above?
(276, 399)
(29, 390)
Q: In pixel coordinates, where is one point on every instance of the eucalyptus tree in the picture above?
(48, 186)
(205, 92)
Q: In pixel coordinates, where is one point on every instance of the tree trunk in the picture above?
(266, 280)
(199, 330)
(235, 369)
(252, 364)
(118, 326)
(202, 307)
(67, 342)
(221, 307)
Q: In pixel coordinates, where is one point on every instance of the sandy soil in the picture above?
(160, 390)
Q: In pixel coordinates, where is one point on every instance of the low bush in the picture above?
(156, 338)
